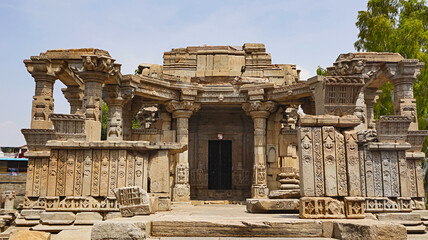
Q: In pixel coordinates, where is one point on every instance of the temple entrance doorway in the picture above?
(221, 153)
(219, 164)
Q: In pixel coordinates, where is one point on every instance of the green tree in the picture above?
(397, 26)
(321, 71)
(104, 120)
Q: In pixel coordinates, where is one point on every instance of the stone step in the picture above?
(59, 228)
(233, 238)
(417, 236)
(236, 228)
(420, 229)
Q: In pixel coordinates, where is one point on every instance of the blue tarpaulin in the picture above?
(13, 159)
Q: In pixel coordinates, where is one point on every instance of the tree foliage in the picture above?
(397, 26)
(321, 71)
(104, 120)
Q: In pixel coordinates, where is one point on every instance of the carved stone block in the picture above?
(354, 207)
(133, 201)
(330, 160)
(353, 164)
(318, 162)
(306, 165)
(321, 207)
(342, 176)
(272, 205)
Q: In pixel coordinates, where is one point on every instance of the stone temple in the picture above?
(223, 123)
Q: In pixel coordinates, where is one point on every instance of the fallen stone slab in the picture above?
(24, 222)
(81, 234)
(120, 230)
(399, 217)
(233, 228)
(32, 214)
(272, 205)
(416, 229)
(29, 235)
(87, 218)
(58, 228)
(57, 218)
(368, 230)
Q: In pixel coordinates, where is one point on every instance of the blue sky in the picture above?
(303, 32)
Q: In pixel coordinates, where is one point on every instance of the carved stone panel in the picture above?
(386, 172)
(404, 181)
(37, 176)
(368, 160)
(62, 165)
(329, 146)
(53, 168)
(307, 187)
(69, 176)
(78, 175)
(104, 179)
(354, 207)
(353, 164)
(419, 178)
(44, 177)
(318, 162)
(30, 178)
(377, 174)
(412, 178)
(139, 171)
(121, 171)
(342, 181)
(130, 169)
(96, 162)
(321, 207)
(395, 176)
(87, 173)
(362, 171)
(114, 157)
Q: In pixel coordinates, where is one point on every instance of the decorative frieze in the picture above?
(321, 207)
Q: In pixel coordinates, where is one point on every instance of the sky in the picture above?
(309, 33)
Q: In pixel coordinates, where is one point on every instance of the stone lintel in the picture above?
(346, 121)
(388, 146)
(134, 145)
(415, 155)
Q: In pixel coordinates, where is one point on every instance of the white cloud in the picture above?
(304, 73)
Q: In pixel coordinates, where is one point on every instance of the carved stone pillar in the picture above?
(182, 111)
(115, 101)
(44, 72)
(370, 97)
(96, 70)
(259, 111)
(403, 76)
(74, 95)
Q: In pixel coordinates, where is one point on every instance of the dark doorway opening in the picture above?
(219, 164)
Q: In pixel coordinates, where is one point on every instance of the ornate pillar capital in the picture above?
(259, 109)
(74, 95)
(97, 68)
(43, 68)
(183, 109)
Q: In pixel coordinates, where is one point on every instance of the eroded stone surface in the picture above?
(57, 218)
(29, 235)
(120, 230)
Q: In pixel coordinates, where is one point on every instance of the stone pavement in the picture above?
(233, 222)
